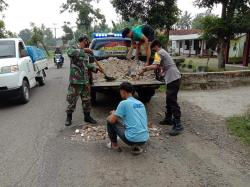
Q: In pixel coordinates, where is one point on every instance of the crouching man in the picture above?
(129, 121)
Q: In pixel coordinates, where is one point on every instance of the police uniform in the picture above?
(172, 77)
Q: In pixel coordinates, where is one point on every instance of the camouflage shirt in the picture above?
(79, 66)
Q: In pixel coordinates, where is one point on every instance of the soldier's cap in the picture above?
(83, 38)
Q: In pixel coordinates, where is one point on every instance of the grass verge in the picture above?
(162, 89)
(240, 126)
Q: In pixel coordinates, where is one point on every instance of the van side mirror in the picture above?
(23, 53)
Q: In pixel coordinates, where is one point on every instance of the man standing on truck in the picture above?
(172, 78)
(79, 80)
(141, 34)
(133, 129)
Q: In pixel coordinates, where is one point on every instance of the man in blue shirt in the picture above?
(133, 129)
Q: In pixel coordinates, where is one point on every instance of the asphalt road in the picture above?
(28, 133)
(36, 149)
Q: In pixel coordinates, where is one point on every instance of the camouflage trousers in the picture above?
(74, 92)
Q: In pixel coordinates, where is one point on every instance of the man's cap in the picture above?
(83, 38)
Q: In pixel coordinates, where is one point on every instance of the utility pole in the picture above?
(55, 28)
(55, 31)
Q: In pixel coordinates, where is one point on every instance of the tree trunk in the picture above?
(166, 33)
(246, 51)
(221, 54)
(45, 48)
(226, 52)
(221, 42)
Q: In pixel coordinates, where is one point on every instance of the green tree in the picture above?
(197, 22)
(2, 29)
(3, 5)
(48, 38)
(26, 35)
(68, 32)
(86, 14)
(3, 32)
(102, 27)
(160, 14)
(10, 34)
(235, 18)
(38, 36)
(184, 21)
(117, 27)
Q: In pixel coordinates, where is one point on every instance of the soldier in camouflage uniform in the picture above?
(79, 80)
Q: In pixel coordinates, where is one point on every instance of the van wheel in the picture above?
(41, 80)
(25, 92)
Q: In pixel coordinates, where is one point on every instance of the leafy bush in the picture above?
(235, 60)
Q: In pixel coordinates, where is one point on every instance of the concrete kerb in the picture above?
(215, 80)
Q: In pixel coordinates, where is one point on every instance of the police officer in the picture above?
(79, 80)
(172, 78)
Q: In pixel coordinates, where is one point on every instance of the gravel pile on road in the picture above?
(96, 133)
(123, 69)
(90, 133)
(154, 131)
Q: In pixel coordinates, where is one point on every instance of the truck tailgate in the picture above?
(116, 84)
(41, 64)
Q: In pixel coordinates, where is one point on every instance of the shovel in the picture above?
(106, 77)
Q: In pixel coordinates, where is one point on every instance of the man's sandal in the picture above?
(109, 146)
(136, 150)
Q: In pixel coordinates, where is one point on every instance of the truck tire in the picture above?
(145, 95)
(24, 92)
(93, 97)
(41, 80)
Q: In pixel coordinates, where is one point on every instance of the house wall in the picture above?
(183, 50)
(237, 47)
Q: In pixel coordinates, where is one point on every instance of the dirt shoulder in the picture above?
(204, 155)
(226, 102)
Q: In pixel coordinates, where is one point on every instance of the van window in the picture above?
(7, 49)
(21, 48)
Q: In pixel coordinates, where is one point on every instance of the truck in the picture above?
(21, 68)
(113, 45)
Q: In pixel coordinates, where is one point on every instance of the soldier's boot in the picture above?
(177, 128)
(69, 119)
(168, 120)
(88, 118)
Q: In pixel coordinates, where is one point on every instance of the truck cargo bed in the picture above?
(116, 84)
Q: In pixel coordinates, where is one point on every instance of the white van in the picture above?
(18, 74)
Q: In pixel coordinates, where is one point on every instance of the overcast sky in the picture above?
(21, 12)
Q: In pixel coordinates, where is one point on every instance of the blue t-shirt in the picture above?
(134, 116)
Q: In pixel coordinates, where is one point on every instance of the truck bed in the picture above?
(116, 84)
(40, 65)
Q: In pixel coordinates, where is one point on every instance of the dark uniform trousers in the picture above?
(172, 106)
